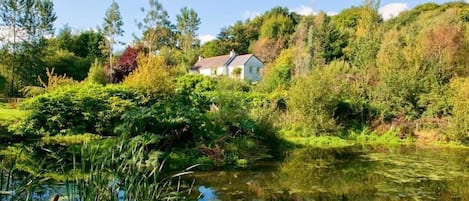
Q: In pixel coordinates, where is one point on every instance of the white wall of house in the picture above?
(231, 69)
(206, 71)
(252, 70)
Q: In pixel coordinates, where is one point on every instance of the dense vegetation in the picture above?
(328, 81)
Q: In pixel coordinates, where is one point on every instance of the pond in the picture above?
(351, 173)
(355, 173)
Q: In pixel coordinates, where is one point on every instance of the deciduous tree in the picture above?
(188, 22)
(112, 28)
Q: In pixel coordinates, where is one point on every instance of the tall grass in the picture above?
(127, 172)
(111, 170)
(368, 136)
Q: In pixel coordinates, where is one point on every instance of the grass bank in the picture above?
(8, 115)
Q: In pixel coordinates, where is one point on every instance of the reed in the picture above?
(119, 169)
(127, 171)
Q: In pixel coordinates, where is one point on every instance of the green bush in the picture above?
(459, 127)
(171, 119)
(326, 99)
(87, 108)
(97, 74)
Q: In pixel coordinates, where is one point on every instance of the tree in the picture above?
(64, 39)
(213, 48)
(127, 63)
(158, 31)
(28, 22)
(238, 37)
(152, 75)
(87, 45)
(187, 24)
(3, 82)
(97, 74)
(112, 27)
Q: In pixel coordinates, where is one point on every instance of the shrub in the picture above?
(87, 108)
(152, 75)
(325, 97)
(53, 81)
(459, 128)
(171, 119)
(97, 74)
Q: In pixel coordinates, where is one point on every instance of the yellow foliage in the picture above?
(152, 75)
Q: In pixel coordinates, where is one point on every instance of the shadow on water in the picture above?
(352, 173)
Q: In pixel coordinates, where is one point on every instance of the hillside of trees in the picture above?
(324, 75)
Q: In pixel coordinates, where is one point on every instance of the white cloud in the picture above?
(304, 10)
(250, 14)
(392, 10)
(332, 13)
(205, 38)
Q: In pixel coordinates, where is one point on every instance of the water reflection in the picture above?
(358, 173)
(207, 194)
(352, 173)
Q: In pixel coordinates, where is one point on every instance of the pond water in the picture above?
(352, 173)
(355, 173)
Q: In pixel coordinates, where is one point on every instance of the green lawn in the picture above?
(9, 114)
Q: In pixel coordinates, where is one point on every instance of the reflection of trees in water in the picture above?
(324, 174)
(379, 173)
(401, 172)
(404, 173)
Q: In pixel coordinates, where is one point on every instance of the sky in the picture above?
(214, 14)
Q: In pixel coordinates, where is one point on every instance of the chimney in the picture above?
(201, 57)
(232, 53)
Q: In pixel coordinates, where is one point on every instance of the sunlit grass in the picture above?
(8, 114)
(70, 139)
(319, 141)
(368, 136)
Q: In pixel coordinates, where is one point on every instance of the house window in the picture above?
(258, 70)
(250, 69)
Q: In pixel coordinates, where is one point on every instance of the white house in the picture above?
(247, 67)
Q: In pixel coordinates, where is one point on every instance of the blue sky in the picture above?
(214, 14)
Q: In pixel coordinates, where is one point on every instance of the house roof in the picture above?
(211, 62)
(224, 60)
(241, 60)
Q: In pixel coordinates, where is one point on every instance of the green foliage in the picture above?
(97, 74)
(276, 26)
(459, 127)
(76, 109)
(188, 22)
(23, 58)
(112, 28)
(70, 139)
(173, 120)
(237, 37)
(367, 136)
(156, 27)
(279, 73)
(3, 83)
(327, 142)
(194, 83)
(213, 48)
(9, 114)
(53, 81)
(315, 100)
(66, 63)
